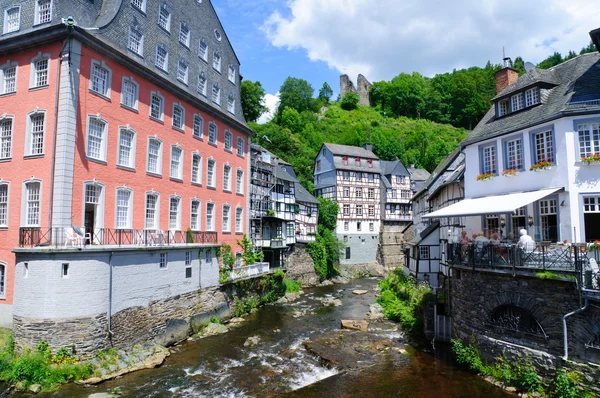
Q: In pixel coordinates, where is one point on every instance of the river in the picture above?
(220, 366)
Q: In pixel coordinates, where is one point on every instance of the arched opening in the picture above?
(517, 319)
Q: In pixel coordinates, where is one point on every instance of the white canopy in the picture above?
(500, 204)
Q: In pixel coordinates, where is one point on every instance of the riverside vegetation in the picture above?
(520, 374)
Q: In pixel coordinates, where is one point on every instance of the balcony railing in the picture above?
(67, 237)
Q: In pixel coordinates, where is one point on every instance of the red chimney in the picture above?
(505, 77)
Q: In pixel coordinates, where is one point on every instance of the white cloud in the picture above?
(384, 37)
(270, 101)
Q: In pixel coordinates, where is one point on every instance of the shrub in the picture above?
(468, 356)
(291, 286)
(349, 101)
(214, 319)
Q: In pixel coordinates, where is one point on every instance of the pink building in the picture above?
(122, 132)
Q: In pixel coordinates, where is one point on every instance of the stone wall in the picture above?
(476, 294)
(391, 245)
(301, 267)
(363, 91)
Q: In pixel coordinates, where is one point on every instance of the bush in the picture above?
(468, 356)
(291, 286)
(349, 101)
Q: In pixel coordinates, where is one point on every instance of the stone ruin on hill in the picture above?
(364, 89)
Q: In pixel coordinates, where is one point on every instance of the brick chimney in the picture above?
(505, 77)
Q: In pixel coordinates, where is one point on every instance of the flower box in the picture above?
(485, 177)
(510, 173)
(591, 159)
(541, 165)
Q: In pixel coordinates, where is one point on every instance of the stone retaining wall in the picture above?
(301, 267)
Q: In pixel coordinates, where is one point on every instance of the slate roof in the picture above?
(418, 174)
(578, 80)
(439, 170)
(426, 232)
(454, 176)
(386, 183)
(351, 151)
(302, 195)
(393, 167)
(531, 78)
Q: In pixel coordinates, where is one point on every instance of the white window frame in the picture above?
(6, 26)
(101, 65)
(212, 141)
(239, 220)
(136, 94)
(198, 181)
(228, 141)
(227, 177)
(178, 175)
(226, 218)
(181, 126)
(132, 149)
(517, 102)
(184, 38)
(231, 103)
(203, 50)
(514, 154)
(25, 201)
(139, 37)
(3, 86)
(231, 73)
(198, 127)
(183, 70)
(142, 6)
(6, 141)
(156, 218)
(240, 147)
(211, 179)
(29, 134)
(210, 224)
(548, 142)
(532, 97)
(346, 210)
(162, 105)
(103, 144)
(33, 74)
(588, 137)
(239, 181)
(38, 19)
(502, 107)
(198, 214)
(5, 204)
(167, 24)
(216, 94)
(175, 225)
(164, 66)
(201, 88)
(489, 159)
(129, 216)
(217, 61)
(3, 268)
(159, 157)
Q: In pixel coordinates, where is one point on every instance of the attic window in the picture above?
(516, 102)
(345, 160)
(502, 108)
(532, 96)
(357, 160)
(370, 163)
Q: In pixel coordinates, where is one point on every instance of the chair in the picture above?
(76, 236)
(595, 273)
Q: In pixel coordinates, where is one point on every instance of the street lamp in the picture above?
(530, 221)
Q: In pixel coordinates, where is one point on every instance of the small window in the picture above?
(358, 192)
(346, 226)
(216, 94)
(203, 51)
(124, 208)
(126, 154)
(195, 215)
(346, 175)
(43, 11)
(65, 270)
(2, 279)
(154, 161)
(231, 104)
(226, 221)
(210, 222)
(12, 19)
(502, 108)
(202, 84)
(36, 132)
(40, 71)
(532, 96)
(162, 58)
(196, 169)
(359, 210)
(156, 106)
(217, 61)
(176, 163)
(371, 211)
(198, 127)
(162, 261)
(217, 35)
(96, 139)
(25, 273)
(178, 121)
(346, 210)
(139, 4)
(212, 133)
(514, 154)
(182, 71)
(188, 272)
(239, 182)
(358, 226)
(370, 162)
(175, 213)
(239, 222)
(129, 93)
(347, 253)
(516, 102)
(357, 162)
(488, 160)
(227, 178)
(346, 192)
(164, 18)
(100, 79)
(184, 34)
(370, 177)
(371, 227)
(240, 147)
(231, 74)
(152, 211)
(424, 252)
(136, 41)
(210, 174)
(32, 204)
(8, 75)
(4, 205)
(227, 144)
(371, 193)
(6, 135)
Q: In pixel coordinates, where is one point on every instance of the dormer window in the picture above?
(345, 160)
(516, 102)
(357, 162)
(370, 163)
(532, 96)
(502, 108)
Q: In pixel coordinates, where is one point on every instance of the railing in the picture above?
(65, 237)
(583, 104)
(249, 270)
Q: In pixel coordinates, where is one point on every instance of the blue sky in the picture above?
(318, 40)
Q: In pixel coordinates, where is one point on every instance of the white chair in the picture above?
(71, 238)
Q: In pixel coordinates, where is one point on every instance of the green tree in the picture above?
(328, 212)
(290, 119)
(519, 65)
(350, 101)
(252, 95)
(325, 93)
(296, 94)
(590, 48)
(551, 61)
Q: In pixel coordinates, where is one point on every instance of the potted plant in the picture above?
(270, 213)
(541, 165)
(485, 176)
(510, 172)
(591, 158)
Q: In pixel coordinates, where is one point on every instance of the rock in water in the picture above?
(359, 292)
(252, 341)
(332, 301)
(35, 388)
(362, 326)
(213, 329)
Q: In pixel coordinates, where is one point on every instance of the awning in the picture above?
(500, 204)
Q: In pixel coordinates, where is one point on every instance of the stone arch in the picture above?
(515, 318)
(528, 306)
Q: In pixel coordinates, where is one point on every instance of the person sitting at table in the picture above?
(464, 239)
(495, 241)
(510, 238)
(526, 242)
